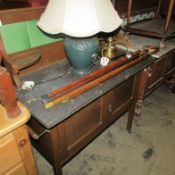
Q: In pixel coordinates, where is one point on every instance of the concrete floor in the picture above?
(149, 150)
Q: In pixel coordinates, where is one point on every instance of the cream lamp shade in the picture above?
(79, 18)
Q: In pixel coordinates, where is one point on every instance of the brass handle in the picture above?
(34, 134)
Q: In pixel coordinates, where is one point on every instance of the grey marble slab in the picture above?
(137, 42)
(51, 117)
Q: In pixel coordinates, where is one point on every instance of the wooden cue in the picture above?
(93, 83)
(95, 74)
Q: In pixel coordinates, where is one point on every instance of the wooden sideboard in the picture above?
(67, 138)
(16, 152)
(58, 140)
(160, 71)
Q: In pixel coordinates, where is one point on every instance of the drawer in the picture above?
(17, 170)
(10, 155)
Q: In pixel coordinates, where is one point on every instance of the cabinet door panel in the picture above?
(17, 170)
(156, 75)
(82, 125)
(118, 99)
(10, 155)
(170, 63)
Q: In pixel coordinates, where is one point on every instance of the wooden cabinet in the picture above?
(155, 75)
(15, 149)
(67, 138)
(170, 64)
(160, 70)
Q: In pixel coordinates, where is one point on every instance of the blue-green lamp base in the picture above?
(81, 71)
(79, 52)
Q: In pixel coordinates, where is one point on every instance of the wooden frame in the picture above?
(164, 35)
(47, 58)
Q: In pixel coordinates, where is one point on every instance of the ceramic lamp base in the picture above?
(81, 71)
(79, 52)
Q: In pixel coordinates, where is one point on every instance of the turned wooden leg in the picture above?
(138, 95)
(130, 117)
(137, 112)
(134, 114)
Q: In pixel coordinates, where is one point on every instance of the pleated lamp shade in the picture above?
(79, 18)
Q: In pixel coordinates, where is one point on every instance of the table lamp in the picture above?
(79, 20)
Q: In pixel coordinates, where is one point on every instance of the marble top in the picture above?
(53, 116)
(137, 42)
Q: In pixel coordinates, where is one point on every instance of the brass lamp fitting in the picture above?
(110, 49)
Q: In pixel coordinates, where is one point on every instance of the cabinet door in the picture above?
(156, 74)
(10, 155)
(81, 127)
(170, 64)
(118, 100)
(19, 169)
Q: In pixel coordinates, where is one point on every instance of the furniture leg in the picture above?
(131, 114)
(137, 112)
(141, 84)
(138, 94)
(55, 149)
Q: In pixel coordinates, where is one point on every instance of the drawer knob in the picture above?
(110, 108)
(150, 74)
(22, 142)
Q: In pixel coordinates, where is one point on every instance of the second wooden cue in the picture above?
(92, 84)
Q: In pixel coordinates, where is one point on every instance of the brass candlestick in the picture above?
(110, 49)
